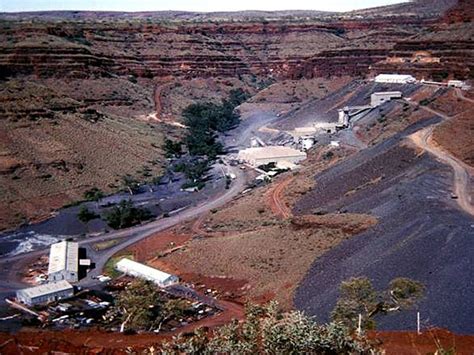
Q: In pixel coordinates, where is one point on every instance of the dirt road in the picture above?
(460, 95)
(277, 205)
(462, 172)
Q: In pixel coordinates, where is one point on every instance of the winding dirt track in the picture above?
(462, 172)
(277, 205)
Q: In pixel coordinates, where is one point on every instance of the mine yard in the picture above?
(187, 182)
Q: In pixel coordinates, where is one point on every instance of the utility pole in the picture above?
(418, 323)
(359, 327)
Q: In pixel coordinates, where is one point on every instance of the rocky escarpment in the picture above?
(443, 50)
(256, 48)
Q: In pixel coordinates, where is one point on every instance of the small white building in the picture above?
(343, 118)
(64, 262)
(135, 269)
(307, 142)
(45, 293)
(378, 98)
(456, 83)
(326, 127)
(270, 154)
(395, 79)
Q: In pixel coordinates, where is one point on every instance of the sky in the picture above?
(189, 5)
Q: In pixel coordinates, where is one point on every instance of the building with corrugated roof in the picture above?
(395, 78)
(133, 268)
(64, 262)
(271, 154)
(45, 293)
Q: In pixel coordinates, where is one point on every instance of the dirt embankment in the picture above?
(101, 343)
(457, 134)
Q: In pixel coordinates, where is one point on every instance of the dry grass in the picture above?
(47, 162)
(273, 259)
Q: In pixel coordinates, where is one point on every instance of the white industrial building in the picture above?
(456, 83)
(64, 262)
(395, 79)
(378, 98)
(132, 268)
(306, 142)
(326, 127)
(45, 293)
(270, 154)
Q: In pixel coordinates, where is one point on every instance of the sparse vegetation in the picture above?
(94, 194)
(130, 184)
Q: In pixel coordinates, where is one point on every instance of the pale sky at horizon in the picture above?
(189, 5)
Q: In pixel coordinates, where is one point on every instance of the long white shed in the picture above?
(395, 78)
(133, 268)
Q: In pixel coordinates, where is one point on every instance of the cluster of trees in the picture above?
(205, 121)
(126, 215)
(142, 307)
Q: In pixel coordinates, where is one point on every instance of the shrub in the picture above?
(85, 215)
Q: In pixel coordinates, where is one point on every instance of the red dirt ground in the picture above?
(408, 343)
(98, 342)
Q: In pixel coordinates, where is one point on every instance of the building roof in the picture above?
(394, 76)
(64, 256)
(125, 265)
(385, 93)
(47, 289)
(269, 152)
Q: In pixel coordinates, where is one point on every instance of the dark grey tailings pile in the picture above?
(422, 234)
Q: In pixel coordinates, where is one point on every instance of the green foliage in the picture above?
(204, 119)
(140, 305)
(126, 215)
(94, 194)
(172, 149)
(358, 296)
(85, 215)
(196, 170)
(268, 330)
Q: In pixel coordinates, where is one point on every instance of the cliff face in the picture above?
(443, 50)
(279, 49)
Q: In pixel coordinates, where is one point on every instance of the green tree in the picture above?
(94, 194)
(139, 305)
(358, 296)
(172, 149)
(85, 215)
(126, 215)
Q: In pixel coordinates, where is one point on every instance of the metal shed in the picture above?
(46, 293)
(145, 272)
(64, 262)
